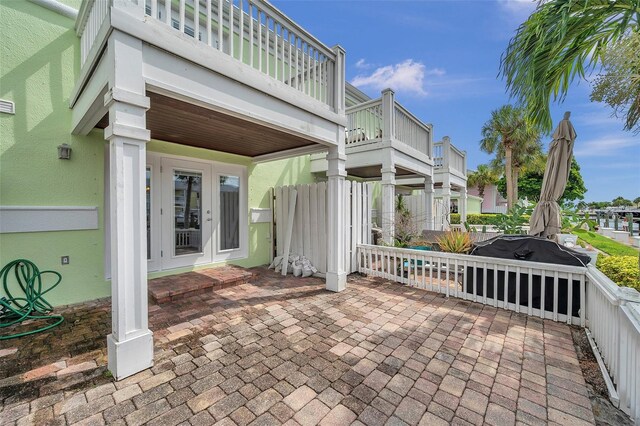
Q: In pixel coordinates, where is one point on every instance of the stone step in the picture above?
(174, 287)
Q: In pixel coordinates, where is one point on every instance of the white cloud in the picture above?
(362, 64)
(512, 13)
(604, 146)
(407, 76)
(518, 9)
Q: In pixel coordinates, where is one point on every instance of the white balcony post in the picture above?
(446, 152)
(339, 79)
(336, 278)
(428, 192)
(430, 141)
(446, 201)
(462, 206)
(464, 162)
(388, 220)
(388, 110)
(130, 344)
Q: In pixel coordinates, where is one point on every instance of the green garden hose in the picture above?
(33, 306)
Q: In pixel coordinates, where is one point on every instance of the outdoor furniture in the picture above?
(531, 249)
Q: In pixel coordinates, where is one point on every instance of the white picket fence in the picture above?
(613, 315)
(309, 232)
(610, 313)
(480, 279)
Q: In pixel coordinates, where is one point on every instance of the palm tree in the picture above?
(481, 178)
(563, 39)
(506, 133)
(527, 154)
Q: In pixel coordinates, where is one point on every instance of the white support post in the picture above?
(388, 108)
(462, 206)
(339, 78)
(446, 201)
(130, 344)
(336, 278)
(446, 153)
(388, 210)
(428, 192)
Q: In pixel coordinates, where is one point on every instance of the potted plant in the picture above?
(455, 241)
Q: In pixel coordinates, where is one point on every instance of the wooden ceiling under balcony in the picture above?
(369, 172)
(184, 123)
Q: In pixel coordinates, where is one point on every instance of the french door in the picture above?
(187, 213)
(195, 212)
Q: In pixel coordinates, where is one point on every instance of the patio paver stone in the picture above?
(280, 350)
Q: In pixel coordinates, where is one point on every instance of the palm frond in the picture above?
(560, 41)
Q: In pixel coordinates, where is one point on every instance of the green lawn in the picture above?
(605, 244)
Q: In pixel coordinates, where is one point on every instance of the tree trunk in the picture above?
(481, 191)
(516, 176)
(508, 175)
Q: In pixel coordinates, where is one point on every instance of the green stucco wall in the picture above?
(39, 63)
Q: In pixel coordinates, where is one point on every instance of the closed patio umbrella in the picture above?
(545, 219)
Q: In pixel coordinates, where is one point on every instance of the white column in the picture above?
(446, 152)
(388, 205)
(388, 110)
(130, 344)
(462, 205)
(446, 201)
(336, 278)
(428, 192)
(339, 79)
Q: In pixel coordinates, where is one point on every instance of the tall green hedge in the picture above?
(475, 219)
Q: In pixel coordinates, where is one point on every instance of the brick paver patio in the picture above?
(279, 351)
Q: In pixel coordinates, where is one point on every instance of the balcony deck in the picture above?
(449, 166)
(381, 133)
(220, 74)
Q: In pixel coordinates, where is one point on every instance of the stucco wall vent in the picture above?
(7, 107)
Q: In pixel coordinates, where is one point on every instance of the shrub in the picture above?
(623, 270)
(406, 226)
(513, 221)
(455, 242)
(475, 219)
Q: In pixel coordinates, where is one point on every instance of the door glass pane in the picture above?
(187, 188)
(229, 212)
(148, 190)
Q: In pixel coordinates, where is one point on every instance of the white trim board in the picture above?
(47, 218)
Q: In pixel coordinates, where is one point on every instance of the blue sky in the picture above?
(442, 59)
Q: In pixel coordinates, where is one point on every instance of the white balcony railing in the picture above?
(188, 238)
(384, 118)
(610, 313)
(251, 31)
(364, 123)
(410, 130)
(93, 14)
(447, 156)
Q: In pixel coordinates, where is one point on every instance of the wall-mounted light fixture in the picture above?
(64, 152)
